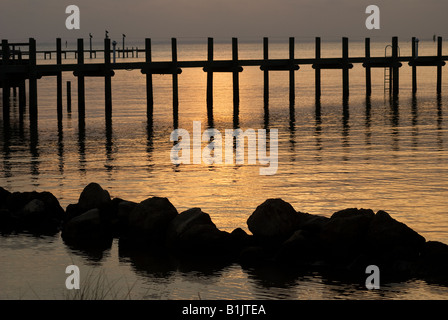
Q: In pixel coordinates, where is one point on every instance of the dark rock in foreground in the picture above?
(274, 220)
(348, 241)
(87, 230)
(36, 212)
(193, 233)
(92, 197)
(148, 221)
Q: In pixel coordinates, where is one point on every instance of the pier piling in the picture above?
(81, 84)
(32, 90)
(317, 70)
(149, 90)
(210, 78)
(235, 76)
(59, 79)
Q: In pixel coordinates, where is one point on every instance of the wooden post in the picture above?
(368, 70)
(345, 70)
(149, 91)
(414, 68)
(292, 82)
(210, 78)
(22, 97)
(69, 97)
(6, 88)
(236, 83)
(175, 78)
(81, 85)
(317, 70)
(439, 67)
(395, 69)
(107, 80)
(59, 78)
(32, 91)
(266, 72)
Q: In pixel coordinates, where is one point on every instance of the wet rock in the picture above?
(344, 234)
(303, 247)
(433, 262)
(148, 221)
(93, 196)
(38, 212)
(87, 230)
(274, 221)
(393, 240)
(4, 194)
(311, 222)
(120, 222)
(254, 255)
(192, 232)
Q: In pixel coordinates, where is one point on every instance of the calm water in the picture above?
(370, 154)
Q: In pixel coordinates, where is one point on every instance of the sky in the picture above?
(250, 19)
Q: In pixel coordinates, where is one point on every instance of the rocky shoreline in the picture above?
(347, 242)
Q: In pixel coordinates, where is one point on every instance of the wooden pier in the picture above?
(17, 66)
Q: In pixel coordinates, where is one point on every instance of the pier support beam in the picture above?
(149, 90)
(414, 67)
(69, 97)
(236, 79)
(266, 72)
(292, 82)
(210, 79)
(317, 70)
(6, 87)
(439, 67)
(368, 69)
(22, 97)
(32, 91)
(107, 80)
(81, 84)
(59, 79)
(345, 70)
(395, 69)
(175, 82)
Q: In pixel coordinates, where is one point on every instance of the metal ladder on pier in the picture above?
(388, 70)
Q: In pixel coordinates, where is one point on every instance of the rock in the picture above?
(239, 240)
(4, 194)
(433, 262)
(87, 230)
(192, 232)
(303, 247)
(38, 212)
(391, 239)
(149, 220)
(33, 212)
(93, 196)
(312, 223)
(120, 223)
(343, 235)
(254, 255)
(273, 221)
(8, 223)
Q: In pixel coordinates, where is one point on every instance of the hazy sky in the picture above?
(159, 19)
